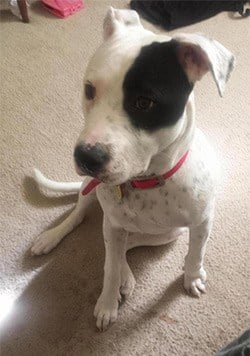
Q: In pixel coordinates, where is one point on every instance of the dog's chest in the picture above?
(151, 210)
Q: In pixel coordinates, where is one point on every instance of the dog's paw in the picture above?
(45, 243)
(127, 281)
(195, 283)
(106, 311)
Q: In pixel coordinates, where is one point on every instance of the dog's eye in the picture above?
(90, 91)
(143, 103)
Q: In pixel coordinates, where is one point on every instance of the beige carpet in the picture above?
(42, 66)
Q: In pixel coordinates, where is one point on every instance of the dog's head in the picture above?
(136, 89)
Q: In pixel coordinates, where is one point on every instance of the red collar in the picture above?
(144, 183)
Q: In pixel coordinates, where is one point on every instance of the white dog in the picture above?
(153, 171)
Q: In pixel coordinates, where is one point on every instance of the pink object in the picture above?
(92, 184)
(63, 8)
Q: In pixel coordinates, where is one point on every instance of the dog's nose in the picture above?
(91, 159)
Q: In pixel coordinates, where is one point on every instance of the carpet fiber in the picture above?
(42, 65)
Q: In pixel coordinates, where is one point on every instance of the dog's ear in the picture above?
(198, 55)
(117, 20)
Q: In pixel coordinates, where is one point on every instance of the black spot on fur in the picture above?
(156, 75)
(152, 203)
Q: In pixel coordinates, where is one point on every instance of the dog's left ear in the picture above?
(116, 20)
(198, 55)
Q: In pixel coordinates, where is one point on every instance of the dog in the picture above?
(153, 172)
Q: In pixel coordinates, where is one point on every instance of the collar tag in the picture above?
(119, 192)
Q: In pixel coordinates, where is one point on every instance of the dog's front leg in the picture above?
(106, 308)
(195, 275)
(51, 238)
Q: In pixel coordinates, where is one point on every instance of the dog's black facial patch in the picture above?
(156, 87)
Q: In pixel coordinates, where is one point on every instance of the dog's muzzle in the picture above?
(91, 160)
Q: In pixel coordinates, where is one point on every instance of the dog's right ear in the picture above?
(199, 54)
(117, 20)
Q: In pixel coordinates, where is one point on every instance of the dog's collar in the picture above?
(148, 183)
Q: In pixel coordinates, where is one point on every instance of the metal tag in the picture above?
(119, 192)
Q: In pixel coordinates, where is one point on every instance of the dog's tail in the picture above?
(56, 186)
